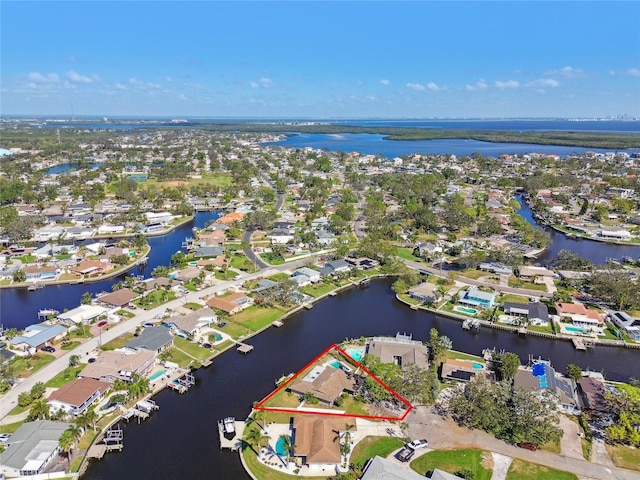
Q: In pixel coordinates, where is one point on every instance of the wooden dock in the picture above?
(182, 384)
(579, 343)
(244, 348)
(332, 293)
(308, 306)
(234, 443)
(277, 323)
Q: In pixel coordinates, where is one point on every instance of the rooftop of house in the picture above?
(315, 437)
(78, 391)
(118, 298)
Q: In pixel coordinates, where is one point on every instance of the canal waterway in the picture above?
(597, 252)
(181, 439)
(19, 307)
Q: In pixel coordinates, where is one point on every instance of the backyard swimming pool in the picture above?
(477, 366)
(355, 353)
(577, 329)
(157, 375)
(467, 310)
(281, 448)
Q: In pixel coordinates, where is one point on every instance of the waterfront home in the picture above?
(264, 284)
(401, 350)
(37, 336)
(541, 377)
(208, 251)
(591, 391)
(231, 304)
(45, 234)
(37, 273)
(378, 468)
(362, 263)
(120, 298)
(31, 448)
(311, 274)
(315, 440)
(614, 232)
(193, 323)
(185, 275)
(325, 382)
(75, 397)
(426, 249)
(214, 238)
(82, 314)
(230, 218)
(627, 323)
(92, 268)
(536, 313)
(7, 271)
(110, 229)
(425, 292)
(334, 267)
(149, 284)
(580, 315)
(463, 370)
(477, 298)
(280, 237)
(300, 280)
(155, 339)
(115, 365)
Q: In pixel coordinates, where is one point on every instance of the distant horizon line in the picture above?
(67, 117)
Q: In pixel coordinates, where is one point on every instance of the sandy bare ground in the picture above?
(174, 183)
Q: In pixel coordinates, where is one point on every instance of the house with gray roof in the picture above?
(37, 335)
(627, 323)
(154, 339)
(32, 447)
(497, 268)
(192, 323)
(536, 313)
(477, 298)
(379, 468)
(313, 275)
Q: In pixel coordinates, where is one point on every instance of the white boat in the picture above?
(228, 426)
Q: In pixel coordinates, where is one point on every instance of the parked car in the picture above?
(102, 323)
(405, 454)
(4, 437)
(528, 446)
(416, 444)
(91, 360)
(48, 349)
(222, 324)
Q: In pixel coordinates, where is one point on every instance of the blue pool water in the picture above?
(355, 353)
(156, 375)
(577, 329)
(281, 449)
(335, 364)
(469, 311)
(477, 366)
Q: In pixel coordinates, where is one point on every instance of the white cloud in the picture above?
(135, 81)
(418, 87)
(75, 77)
(479, 86)
(612, 72)
(384, 81)
(182, 96)
(634, 72)
(508, 84)
(37, 77)
(262, 83)
(568, 72)
(544, 82)
(433, 87)
(120, 86)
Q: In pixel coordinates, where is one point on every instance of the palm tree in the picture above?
(91, 418)
(286, 443)
(254, 439)
(39, 409)
(347, 432)
(66, 443)
(75, 430)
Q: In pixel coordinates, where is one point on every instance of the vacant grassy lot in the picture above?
(25, 367)
(191, 348)
(477, 461)
(407, 254)
(65, 376)
(318, 289)
(256, 317)
(625, 457)
(521, 470)
(369, 447)
(118, 342)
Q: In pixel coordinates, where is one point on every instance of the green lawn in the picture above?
(256, 317)
(70, 345)
(625, 457)
(272, 259)
(191, 348)
(318, 289)
(521, 470)
(510, 297)
(517, 283)
(10, 427)
(233, 329)
(193, 306)
(477, 461)
(180, 357)
(154, 299)
(118, 342)
(226, 275)
(279, 277)
(243, 263)
(407, 254)
(453, 354)
(536, 328)
(65, 376)
(25, 367)
(283, 399)
(126, 313)
(369, 447)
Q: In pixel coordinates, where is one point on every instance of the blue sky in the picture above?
(321, 59)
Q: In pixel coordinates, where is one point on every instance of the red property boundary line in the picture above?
(348, 358)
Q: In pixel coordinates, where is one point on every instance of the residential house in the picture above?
(36, 336)
(463, 370)
(427, 249)
(33, 446)
(379, 468)
(325, 238)
(193, 323)
(529, 273)
(313, 275)
(477, 298)
(7, 271)
(264, 284)
(320, 223)
(231, 304)
(155, 339)
(75, 397)
(497, 268)
(627, 323)
(315, 440)
(334, 267)
(208, 251)
(401, 350)
(325, 382)
(149, 284)
(580, 315)
(300, 280)
(536, 313)
(280, 236)
(37, 273)
(542, 377)
(214, 238)
(185, 275)
(92, 267)
(362, 263)
(425, 292)
(614, 232)
(82, 314)
(591, 391)
(120, 298)
(114, 365)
